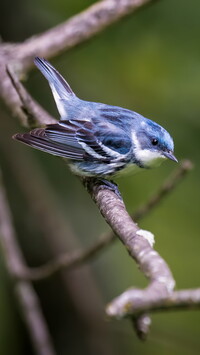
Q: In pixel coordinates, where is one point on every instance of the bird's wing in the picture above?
(54, 140)
(99, 141)
(78, 140)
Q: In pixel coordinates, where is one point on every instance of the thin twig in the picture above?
(34, 113)
(167, 187)
(73, 259)
(66, 260)
(141, 324)
(27, 298)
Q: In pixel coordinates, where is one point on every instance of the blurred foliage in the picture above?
(148, 62)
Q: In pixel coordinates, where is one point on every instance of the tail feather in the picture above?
(60, 88)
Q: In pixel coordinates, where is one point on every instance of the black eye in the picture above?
(154, 141)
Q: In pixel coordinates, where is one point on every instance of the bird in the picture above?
(96, 139)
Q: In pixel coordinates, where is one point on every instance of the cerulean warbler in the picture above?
(98, 139)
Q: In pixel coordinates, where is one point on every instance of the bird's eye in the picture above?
(154, 141)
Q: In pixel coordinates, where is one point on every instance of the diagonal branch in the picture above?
(135, 240)
(34, 113)
(73, 259)
(139, 244)
(77, 29)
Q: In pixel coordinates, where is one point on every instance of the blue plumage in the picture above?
(98, 139)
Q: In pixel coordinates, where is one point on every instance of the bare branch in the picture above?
(77, 29)
(65, 261)
(25, 293)
(141, 325)
(72, 259)
(113, 210)
(135, 301)
(34, 113)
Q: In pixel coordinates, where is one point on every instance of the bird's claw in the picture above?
(109, 185)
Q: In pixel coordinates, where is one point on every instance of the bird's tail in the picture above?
(60, 88)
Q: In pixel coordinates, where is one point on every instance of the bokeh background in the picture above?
(148, 62)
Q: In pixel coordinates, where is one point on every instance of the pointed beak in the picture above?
(170, 156)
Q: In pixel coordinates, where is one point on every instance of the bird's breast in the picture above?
(129, 169)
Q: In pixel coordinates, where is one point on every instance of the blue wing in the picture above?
(81, 140)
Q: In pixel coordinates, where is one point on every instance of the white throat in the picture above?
(147, 157)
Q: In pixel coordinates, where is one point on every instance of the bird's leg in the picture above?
(110, 185)
(101, 184)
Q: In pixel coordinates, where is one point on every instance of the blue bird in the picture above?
(96, 139)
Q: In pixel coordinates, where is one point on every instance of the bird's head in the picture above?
(152, 144)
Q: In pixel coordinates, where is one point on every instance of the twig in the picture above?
(167, 187)
(134, 302)
(72, 259)
(25, 293)
(141, 325)
(65, 261)
(34, 113)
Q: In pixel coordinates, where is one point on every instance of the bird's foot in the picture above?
(109, 185)
(99, 183)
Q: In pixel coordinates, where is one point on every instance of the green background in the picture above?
(148, 62)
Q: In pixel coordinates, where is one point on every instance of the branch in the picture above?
(67, 261)
(135, 302)
(77, 29)
(34, 113)
(73, 259)
(139, 245)
(56, 40)
(25, 293)
(135, 240)
(167, 187)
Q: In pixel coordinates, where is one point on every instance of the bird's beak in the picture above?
(170, 155)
